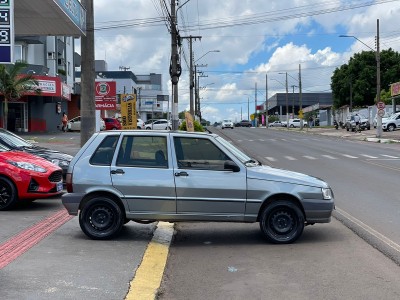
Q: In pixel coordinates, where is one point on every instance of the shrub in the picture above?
(197, 126)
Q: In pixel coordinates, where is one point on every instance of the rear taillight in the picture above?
(68, 182)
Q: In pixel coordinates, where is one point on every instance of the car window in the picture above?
(104, 153)
(143, 151)
(197, 153)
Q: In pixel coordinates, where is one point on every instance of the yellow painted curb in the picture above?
(148, 276)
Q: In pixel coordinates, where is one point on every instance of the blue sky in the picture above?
(285, 33)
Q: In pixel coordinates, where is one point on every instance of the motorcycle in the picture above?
(335, 123)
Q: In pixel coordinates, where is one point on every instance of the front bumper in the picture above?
(318, 211)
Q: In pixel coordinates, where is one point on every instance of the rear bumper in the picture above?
(71, 202)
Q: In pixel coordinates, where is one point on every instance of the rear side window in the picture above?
(104, 153)
(143, 151)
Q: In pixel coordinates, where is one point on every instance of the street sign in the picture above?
(381, 113)
(380, 105)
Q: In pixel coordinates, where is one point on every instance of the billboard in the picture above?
(128, 111)
(106, 95)
(6, 32)
(395, 89)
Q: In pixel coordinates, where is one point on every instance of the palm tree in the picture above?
(13, 85)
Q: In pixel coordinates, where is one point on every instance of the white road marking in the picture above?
(390, 156)
(368, 156)
(349, 156)
(329, 156)
(290, 158)
(309, 157)
(270, 158)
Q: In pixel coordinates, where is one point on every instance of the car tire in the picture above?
(101, 218)
(292, 126)
(8, 194)
(282, 222)
(391, 127)
(148, 128)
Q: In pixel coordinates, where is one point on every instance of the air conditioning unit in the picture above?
(61, 61)
(51, 55)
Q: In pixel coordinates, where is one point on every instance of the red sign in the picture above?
(395, 89)
(260, 107)
(106, 95)
(106, 91)
(50, 86)
(380, 105)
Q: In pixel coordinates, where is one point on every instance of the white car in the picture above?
(296, 123)
(227, 124)
(275, 124)
(75, 124)
(159, 124)
(384, 118)
(140, 124)
(392, 123)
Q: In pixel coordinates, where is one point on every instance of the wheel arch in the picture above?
(110, 195)
(3, 176)
(277, 197)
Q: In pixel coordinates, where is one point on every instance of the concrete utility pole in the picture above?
(378, 82)
(287, 104)
(266, 100)
(190, 38)
(175, 69)
(293, 86)
(300, 99)
(88, 107)
(198, 93)
(255, 102)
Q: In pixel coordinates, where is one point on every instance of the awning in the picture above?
(49, 17)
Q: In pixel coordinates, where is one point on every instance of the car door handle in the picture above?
(117, 171)
(181, 174)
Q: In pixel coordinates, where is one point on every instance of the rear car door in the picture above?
(142, 172)
(203, 187)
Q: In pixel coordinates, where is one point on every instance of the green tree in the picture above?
(13, 85)
(359, 74)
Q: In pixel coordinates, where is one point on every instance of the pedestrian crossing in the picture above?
(332, 157)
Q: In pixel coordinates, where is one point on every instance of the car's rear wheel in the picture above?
(282, 222)
(391, 127)
(101, 218)
(8, 194)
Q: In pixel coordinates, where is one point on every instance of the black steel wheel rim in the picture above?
(101, 218)
(5, 194)
(282, 223)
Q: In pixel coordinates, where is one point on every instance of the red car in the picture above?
(112, 124)
(26, 176)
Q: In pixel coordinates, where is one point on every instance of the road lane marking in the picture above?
(270, 158)
(290, 158)
(22, 242)
(389, 156)
(349, 156)
(368, 156)
(149, 274)
(329, 156)
(309, 157)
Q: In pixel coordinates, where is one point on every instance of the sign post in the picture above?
(6, 31)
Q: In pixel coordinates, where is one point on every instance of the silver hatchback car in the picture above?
(174, 176)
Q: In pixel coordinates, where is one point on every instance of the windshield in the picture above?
(4, 148)
(13, 139)
(235, 151)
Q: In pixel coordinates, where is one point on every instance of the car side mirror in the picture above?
(230, 165)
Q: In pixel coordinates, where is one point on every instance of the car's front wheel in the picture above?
(8, 194)
(391, 127)
(101, 218)
(282, 222)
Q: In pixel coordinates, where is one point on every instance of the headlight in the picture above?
(327, 193)
(27, 166)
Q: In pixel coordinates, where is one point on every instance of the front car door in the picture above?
(142, 172)
(204, 189)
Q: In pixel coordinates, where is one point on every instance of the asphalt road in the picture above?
(225, 260)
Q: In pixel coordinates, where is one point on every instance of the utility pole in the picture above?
(266, 100)
(255, 102)
(190, 38)
(88, 106)
(287, 107)
(300, 100)
(175, 69)
(197, 91)
(293, 86)
(378, 81)
(248, 108)
(198, 100)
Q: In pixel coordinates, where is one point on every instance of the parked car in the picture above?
(112, 124)
(244, 123)
(391, 123)
(284, 123)
(384, 118)
(15, 142)
(351, 124)
(275, 124)
(140, 124)
(227, 124)
(25, 176)
(182, 176)
(293, 123)
(75, 124)
(159, 124)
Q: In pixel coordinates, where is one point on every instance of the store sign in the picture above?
(75, 11)
(128, 111)
(395, 89)
(6, 31)
(50, 86)
(106, 95)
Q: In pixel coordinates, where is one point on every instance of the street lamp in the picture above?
(378, 76)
